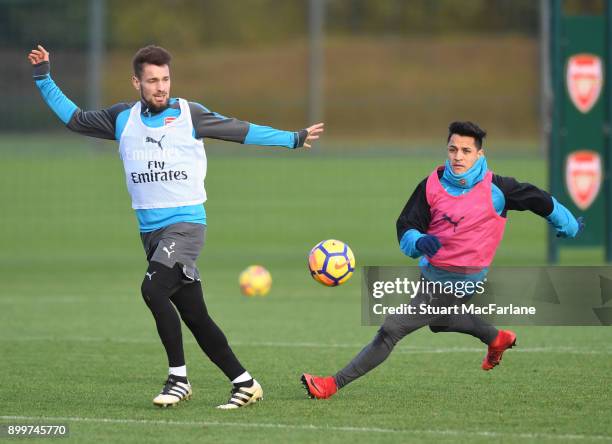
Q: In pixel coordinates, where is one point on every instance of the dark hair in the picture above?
(155, 55)
(467, 129)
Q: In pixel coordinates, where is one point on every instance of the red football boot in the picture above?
(319, 387)
(505, 339)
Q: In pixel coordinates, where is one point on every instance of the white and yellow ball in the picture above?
(255, 281)
(331, 262)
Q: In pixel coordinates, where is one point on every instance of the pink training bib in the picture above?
(467, 225)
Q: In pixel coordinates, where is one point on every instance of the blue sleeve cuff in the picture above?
(408, 243)
(267, 136)
(563, 220)
(61, 105)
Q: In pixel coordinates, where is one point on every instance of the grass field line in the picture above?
(349, 429)
(400, 349)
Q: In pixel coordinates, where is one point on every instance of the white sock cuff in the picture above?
(178, 371)
(242, 378)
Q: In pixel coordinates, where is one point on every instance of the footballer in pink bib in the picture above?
(453, 222)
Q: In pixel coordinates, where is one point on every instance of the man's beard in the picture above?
(152, 107)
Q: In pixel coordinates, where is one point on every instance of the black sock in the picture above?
(182, 379)
(248, 383)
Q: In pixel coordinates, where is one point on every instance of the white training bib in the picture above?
(164, 167)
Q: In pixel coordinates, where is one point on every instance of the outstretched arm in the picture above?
(525, 196)
(100, 124)
(212, 125)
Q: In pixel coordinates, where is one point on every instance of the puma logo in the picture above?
(448, 219)
(314, 385)
(158, 142)
(431, 297)
(169, 251)
(150, 275)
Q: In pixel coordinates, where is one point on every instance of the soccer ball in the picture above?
(255, 281)
(331, 262)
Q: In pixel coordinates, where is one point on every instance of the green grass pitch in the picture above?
(80, 347)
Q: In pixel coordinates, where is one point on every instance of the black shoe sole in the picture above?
(305, 384)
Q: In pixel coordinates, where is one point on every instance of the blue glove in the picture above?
(564, 221)
(428, 245)
(579, 229)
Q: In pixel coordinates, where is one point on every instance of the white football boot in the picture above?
(173, 392)
(243, 396)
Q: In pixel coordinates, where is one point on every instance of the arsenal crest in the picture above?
(584, 78)
(583, 177)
